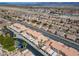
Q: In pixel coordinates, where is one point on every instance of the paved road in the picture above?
(27, 11)
(54, 37)
(18, 35)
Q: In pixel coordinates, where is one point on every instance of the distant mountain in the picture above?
(41, 3)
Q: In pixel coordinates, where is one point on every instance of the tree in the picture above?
(24, 44)
(50, 26)
(40, 43)
(2, 10)
(27, 20)
(1, 39)
(77, 40)
(7, 42)
(38, 23)
(77, 30)
(14, 35)
(61, 21)
(7, 17)
(34, 21)
(5, 27)
(45, 24)
(11, 48)
(55, 33)
(65, 35)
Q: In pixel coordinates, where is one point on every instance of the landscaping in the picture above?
(7, 42)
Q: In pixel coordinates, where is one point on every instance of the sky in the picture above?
(41, 3)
